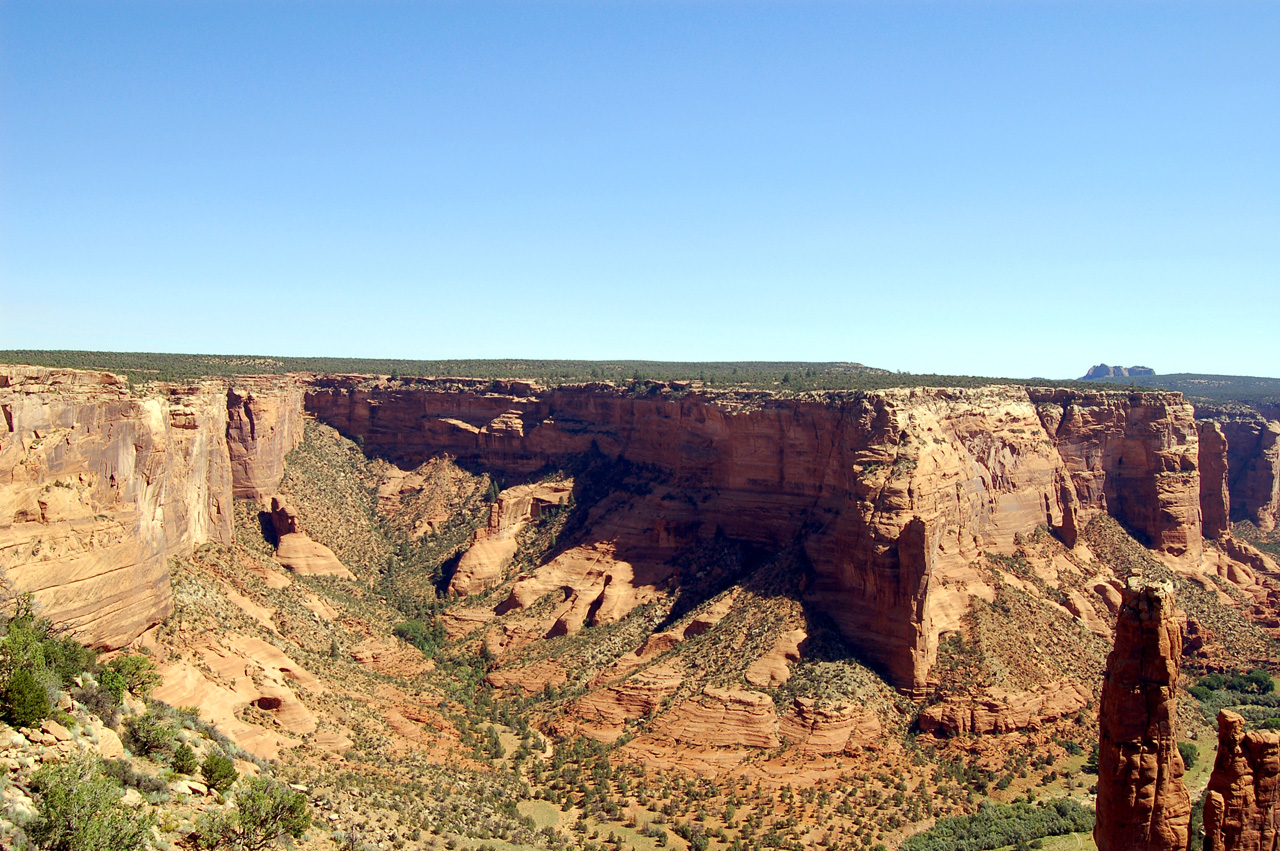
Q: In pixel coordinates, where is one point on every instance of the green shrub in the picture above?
(139, 673)
(1190, 753)
(219, 772)
(1212, 682)
(25, 702)
(123, 772)
(77, 809)
(184, 760)
(149, 735)
(113, 683)
(265, 813)
(426, 638)
(998, 825)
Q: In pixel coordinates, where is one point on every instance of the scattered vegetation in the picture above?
(997, 825)
(78, 808)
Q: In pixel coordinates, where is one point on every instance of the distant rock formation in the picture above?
(1102, 371)
(1142, 801)
(264, 422)
(296, 551)
(1240, 808)
(1252, 435)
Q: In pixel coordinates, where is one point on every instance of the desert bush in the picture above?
(123, 772)
(77, 809)
(149, 735)
(139, 673)
(184, 760)
(99, 700)
(25, 701)
(219, 772)
(427, 638)
(265, 813)
(1190, 753)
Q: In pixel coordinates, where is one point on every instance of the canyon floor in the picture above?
(493, 614)
(691, 721)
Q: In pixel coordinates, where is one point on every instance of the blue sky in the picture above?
(999, 188)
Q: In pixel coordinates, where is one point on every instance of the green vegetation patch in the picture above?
(998, 825)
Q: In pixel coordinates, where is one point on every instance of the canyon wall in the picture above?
(264, 423)
(1133, 455)
(1142, 801)
(888, 494)
(98, 488)
(1252, 437)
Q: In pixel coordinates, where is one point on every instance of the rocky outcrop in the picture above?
(100, 487)
(1240, 807)
(1142, 802)
(819, 729)
(1252, 436)
(264, 423)
(484, 563)
(1133, 455)
(1102, 372)
(1001, 711)
(1215, 490)
(296, 551)
(888, 493)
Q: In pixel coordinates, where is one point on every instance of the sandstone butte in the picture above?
(1142, 801)
(890, 494)
(1240, 808)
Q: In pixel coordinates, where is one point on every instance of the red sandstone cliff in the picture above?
(98, 488)
(1142, 802)
(1133, 455)
(887, 492)
(1240, 808)
(264, 423)
(1215, 491)
(1252, 436)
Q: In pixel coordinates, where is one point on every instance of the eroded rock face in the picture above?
(1133, 455)
(1240, 808)
(99, 488)
(484, 563)
(1142, 802)
(1215, 491)
(1003, 711)
(264, 423)
(295, 549)
(1252, 434)
(888, 493)
(1255, 480)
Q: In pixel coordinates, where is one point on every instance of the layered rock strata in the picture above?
(99, 488)
(888, 494)
(1240, 807)
(1253, 461)
(264, 423)
(1001, 711)
(1142, 802)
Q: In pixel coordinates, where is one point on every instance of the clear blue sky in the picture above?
(1007, 188)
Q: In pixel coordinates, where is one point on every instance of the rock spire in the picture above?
(1142, 802)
